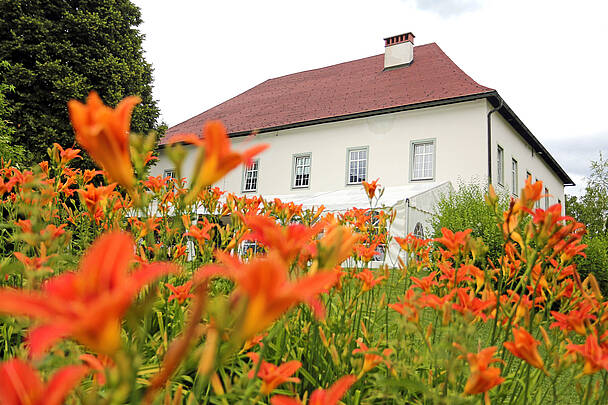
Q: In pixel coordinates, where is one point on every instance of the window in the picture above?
(169, 173)
(301, 171)
(500, 166)
(250, 181)
(357, 165)
(251, 248)
(514, 177)
(380, 253)
(528, 175)
(546, 198)
(419, 231)
(423, 156)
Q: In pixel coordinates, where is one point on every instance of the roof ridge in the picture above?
(342, 63)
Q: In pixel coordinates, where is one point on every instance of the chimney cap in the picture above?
(399, 39)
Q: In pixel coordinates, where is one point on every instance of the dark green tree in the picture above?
(8, 151)
(61, 49)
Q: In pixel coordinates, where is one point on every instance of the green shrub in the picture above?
(466, 208)
(596, 261)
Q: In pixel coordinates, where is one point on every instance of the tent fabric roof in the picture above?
(340, 90)
(342, 200)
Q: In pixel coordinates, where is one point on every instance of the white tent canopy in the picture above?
(342, 200)
(414, 205)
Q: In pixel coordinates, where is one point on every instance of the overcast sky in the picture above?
(547, 59)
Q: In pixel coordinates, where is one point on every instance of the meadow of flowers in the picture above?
(117, 287)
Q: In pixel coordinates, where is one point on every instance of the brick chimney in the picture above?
(398, 50)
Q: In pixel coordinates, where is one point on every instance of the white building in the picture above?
(409, 116)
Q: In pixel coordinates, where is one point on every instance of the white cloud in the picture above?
(449, 8)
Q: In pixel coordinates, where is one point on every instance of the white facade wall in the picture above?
(458, 131)
(515, 147)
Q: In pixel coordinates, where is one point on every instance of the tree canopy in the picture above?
(57, 50)
(592, 207)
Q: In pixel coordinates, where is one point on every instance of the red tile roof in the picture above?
(347, 88)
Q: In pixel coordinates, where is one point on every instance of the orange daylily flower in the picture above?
(155, 184)
(149, 157)
(454, 242)
(596, 356)
(366, 253)
(330, 396)
(66, 155)
(407, 306)
(286, 211)
(20, 384)
(469, 303)
(178, 251)
(216, 157)
(98, 364)
(289, 240)
(370, 188)
(254, 341)
(272, 376)
(35, 263)
(180, 293)
(453, 276)
(95, 197)
(104, 133)
(336, 245)
(25, 225)
(367, 278)
(371, 356)
(89, 175)
(53, 231)
(573, 320)
(524, 346)
(263, 282)
(88, 304)
(435, 301)
(425, 283)
(483, 377)
(530, 193)
(201, 234)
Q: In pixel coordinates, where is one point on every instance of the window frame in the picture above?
(546, 198)
(257, 177)
(169, 173)
(348, 152)
(514, 176)
(413, 144)
(500, 165)
(294, 160)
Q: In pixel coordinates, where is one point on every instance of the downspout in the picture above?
(407, 228)
(493, 110)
